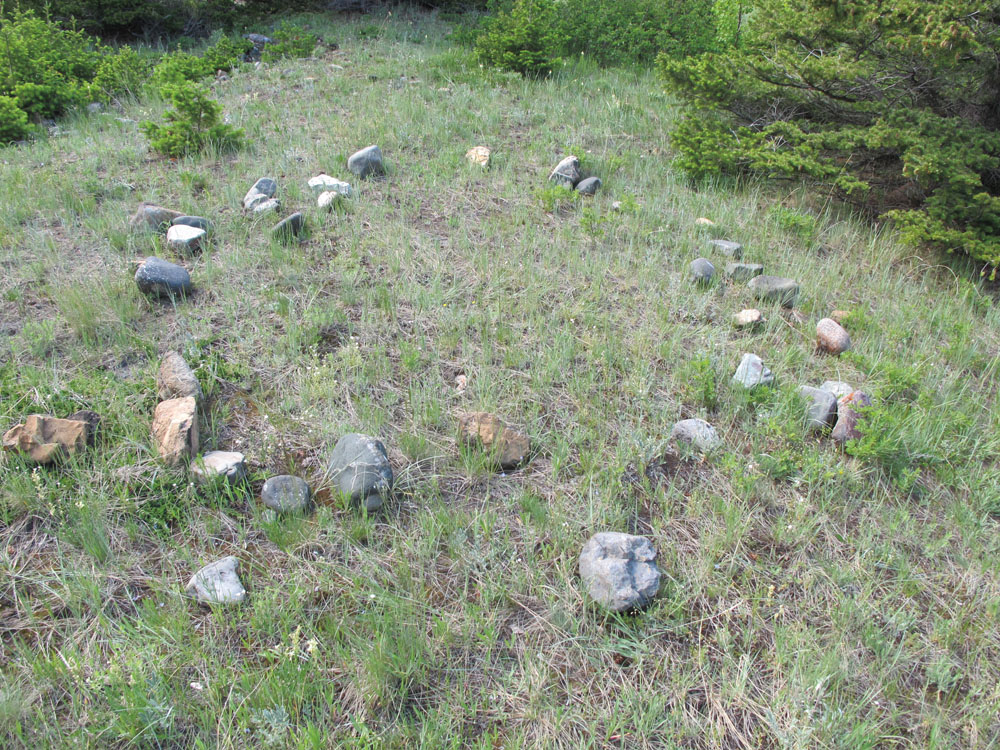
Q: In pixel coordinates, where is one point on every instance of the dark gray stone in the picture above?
(696, 432)
(775, 289)
(751, 373)
(701, 271)
(263, 190)
(198, 222)
(588, 186)
(366, 162)
(821, 407)
(286, 494)
(619, 570)
(733, 249)
(359, 468)
(289, 227)
(743, 271)
(161, 278)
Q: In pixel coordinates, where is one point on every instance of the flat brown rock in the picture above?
(175, 428)
(489, 431)
(175, 379)
(46, 439)
(831, 337)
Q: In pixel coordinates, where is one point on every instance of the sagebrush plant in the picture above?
(891, 109)
(192, 125)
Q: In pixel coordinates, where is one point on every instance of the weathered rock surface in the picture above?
(263, 190)
(589, 186)
(228, 465)
(748, 318)
(743, 271)
(324, 183)
(733, 249)
(175, 429)
(490, 433)
(152, 218)
(161, 278)
(359, 468)
(567, 172)
(286, 494)
(838, 388)
(266, 206)
(701, 271)
(367, 162)
(821, 407)
(478, 155)
(831, 337)
(175, 379)
(619, 570)
(185, 239)
(46, 439)
(198, 222)
(775, 289)
(698, 433)
(218, 583)
(848, 414)
(752, 373)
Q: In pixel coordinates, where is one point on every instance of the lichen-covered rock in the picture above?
(324, 183)
(698, 433)
(218, 583)
(733, 249)
(175, 379)
(752, 373)
(479, 155)
(286, 494)
(46, 439)
(567, 172)
(263, 190)
(748, 318)
(838, 388)
(701, 270)
(619, 570)
(175, 429)
(359, 469)
(490, 433)
(743, 271)
(775, 289)
(149, 217)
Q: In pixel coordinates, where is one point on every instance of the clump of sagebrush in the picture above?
(894, 108)
(192, 125)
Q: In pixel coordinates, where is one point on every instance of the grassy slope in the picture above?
(808, 600)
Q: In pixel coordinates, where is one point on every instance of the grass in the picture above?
(811, 598)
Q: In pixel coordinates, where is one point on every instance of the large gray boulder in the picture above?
(359, 468)
(701, 271)
(218, 583)
(619, 570)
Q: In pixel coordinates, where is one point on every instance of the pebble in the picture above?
(366, 162)
(696, 432)
(733, 249)
(588, 186)
(184, 239)
(286, 494)
(821, 407)
(752, 373)
(228, 465)
(359, 468)
(478, 155)
(218, 583)
(619, 570)
(567, 172)
(831, 337)
(775, 289)
(701, 271)
(161, 278)
(743, 271)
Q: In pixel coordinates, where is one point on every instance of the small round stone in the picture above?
(161, 278)
(286, 494)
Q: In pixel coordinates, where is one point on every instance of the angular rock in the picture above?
(847, 416)
(218, 583)
(701, 271)
(838, 388)
(821, 407)
(748, 318)
(733, 249)
(478, 155)
(359, 468)
(175, 429)
(264, 189)
(266, 206)
(161, 278)
(228, 465)
(775, 289)
(324, 183)
(743, 271)
(175, 379)
(366, 162)
(752, 373)
(489, 432)
(286, 494)
(198, 222)
(46, 439)
(152, 218)
(588, 186)
(567, 172)
(696, 432)
(184, 239)
(831, 337)
(619, 570)
(329, 200)
(289, 227)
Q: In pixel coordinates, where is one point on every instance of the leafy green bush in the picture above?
(123, 73)
(892, 108)
(13, 121)
(526, 39)
(290, 41)
(179, 67)
(128, 17)
(192, 125)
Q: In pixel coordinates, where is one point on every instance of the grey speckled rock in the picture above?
(567, 172)
(821, 407)
(701, 271)
(198, 222)
(619, 570)
(228, 465)
(366, 162)
(838, 388)
(733, 249)
(588, 186)
(218, 583)
(743, 271)
(264, 189)
(184, 239)
(359, 467)
(752, 373)
(175, 379)
(161, 278)
(289, 227)
(775, 289)
(698, 433)
(286, 494)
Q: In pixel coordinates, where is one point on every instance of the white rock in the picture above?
(330, 199)
(218, 583)
(838, 388)
(752, 372)
(324, 183)
(184, 239)
(216, 464)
